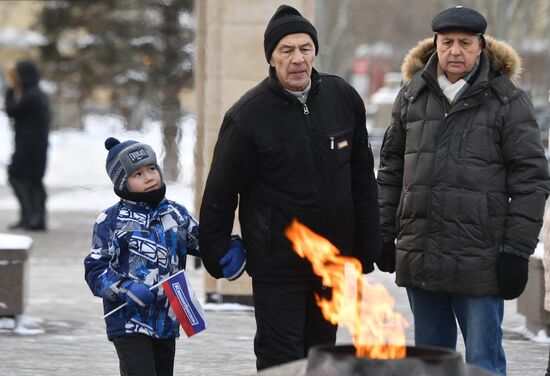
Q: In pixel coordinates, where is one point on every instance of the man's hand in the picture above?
(233, 262)
(387, 260)
(512, 275)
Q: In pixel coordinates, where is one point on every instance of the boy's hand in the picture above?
(233, 262)
(137, 294)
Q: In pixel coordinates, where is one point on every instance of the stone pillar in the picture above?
(531, 302)
(229, 61)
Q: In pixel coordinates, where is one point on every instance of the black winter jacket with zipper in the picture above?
(280, 159)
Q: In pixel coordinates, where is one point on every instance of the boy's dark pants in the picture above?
(141, 355)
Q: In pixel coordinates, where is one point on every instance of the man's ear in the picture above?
(482, 41)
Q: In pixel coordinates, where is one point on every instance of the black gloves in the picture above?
(387, 261)
(512, 275)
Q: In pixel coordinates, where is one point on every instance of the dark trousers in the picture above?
(288, 321)
(31, 195)
(141, 355)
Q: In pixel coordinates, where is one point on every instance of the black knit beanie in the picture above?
(285, 21)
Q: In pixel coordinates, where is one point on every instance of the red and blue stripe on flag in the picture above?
(185, 304)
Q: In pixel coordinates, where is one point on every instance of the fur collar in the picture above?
(502, 56)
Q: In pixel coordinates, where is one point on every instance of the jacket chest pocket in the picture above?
(337, 145)
(480, 142)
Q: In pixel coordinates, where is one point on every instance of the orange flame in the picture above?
(365, 309)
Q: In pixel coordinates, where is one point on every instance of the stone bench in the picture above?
(13, 256)
(224, 291)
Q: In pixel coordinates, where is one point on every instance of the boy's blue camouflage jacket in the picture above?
(132, 241)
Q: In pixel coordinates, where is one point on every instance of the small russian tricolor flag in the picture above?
(184, 303)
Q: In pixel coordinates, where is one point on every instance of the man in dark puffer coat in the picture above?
(29, 108)
(463, 183)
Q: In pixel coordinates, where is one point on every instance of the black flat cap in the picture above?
(461, 19)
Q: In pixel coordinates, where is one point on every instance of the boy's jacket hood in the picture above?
(502, 56)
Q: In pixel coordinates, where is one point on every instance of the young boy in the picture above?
(136, 243)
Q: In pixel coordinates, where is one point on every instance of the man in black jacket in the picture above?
(29, 108)
(463, 183)
(295, 146)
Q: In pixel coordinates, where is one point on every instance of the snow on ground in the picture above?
(540, 337)
(539, 250)
(22, 325)
(15, 242)
(219, 307)
(75, 176)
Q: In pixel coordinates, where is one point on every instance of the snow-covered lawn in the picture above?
(76, 177)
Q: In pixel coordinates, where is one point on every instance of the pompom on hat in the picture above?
(459, 18)
(125, 158)
(286, 20)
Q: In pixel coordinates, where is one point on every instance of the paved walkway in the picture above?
(74, 342)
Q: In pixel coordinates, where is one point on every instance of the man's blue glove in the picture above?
(137, 294)
(233, 262)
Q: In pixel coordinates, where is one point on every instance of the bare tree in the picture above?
(344, 25)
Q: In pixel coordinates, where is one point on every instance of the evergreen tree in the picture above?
(139, 51)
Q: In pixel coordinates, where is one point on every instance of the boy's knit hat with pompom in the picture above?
(125, 158)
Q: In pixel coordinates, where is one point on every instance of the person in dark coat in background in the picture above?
(463, 182)
(28, 106)
(295, 146)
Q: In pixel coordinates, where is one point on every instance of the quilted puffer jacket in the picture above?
(459, 184)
